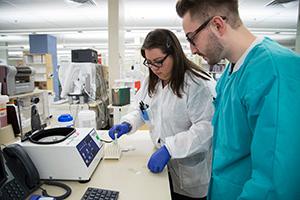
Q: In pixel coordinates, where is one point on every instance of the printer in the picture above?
(16, 80)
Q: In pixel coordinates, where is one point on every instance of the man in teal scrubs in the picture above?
(256, 145)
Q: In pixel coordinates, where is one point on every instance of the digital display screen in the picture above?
(88, 149)
(2, 171)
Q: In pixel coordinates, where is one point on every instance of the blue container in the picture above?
(39, 197)
(66, 120)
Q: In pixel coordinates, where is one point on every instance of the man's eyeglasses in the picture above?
(191, 35)
(156, 64)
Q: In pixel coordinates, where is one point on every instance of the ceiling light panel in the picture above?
(51, 14)
(13, 38)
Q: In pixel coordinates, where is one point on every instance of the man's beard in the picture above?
(214, 50)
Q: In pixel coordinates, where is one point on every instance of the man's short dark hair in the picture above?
(203, 9)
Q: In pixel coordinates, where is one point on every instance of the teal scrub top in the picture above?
(256, 142)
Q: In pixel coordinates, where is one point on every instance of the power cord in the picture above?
(58, 184)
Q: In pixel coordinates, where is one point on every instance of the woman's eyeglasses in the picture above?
(191, 36)
(157, 64)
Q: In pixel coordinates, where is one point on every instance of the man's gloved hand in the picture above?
(159, 160)
(120, 129)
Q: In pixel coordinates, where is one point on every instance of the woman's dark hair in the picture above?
(168, 43)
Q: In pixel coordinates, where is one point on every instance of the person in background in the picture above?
(175, 101)
(257, 110)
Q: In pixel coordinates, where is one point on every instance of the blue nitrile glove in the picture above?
(159, 160)
(120, 129)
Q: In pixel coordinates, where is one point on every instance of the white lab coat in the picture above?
(184, 126)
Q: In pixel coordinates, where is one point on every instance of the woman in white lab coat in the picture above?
(175, 101)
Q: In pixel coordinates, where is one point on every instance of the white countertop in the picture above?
(129, 175)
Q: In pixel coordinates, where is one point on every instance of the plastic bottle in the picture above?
(3, 111)
(87, 119)
(65, 120)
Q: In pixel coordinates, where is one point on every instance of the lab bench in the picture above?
(129, 175)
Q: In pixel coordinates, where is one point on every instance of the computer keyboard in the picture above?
(112, 151)
(100, 194)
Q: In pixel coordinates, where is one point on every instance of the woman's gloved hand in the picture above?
(120, 129)
(159, 160)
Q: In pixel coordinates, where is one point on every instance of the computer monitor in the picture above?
(3, 176)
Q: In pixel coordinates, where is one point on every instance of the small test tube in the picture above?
(116, 138)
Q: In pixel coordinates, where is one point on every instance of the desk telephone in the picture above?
(18, 175)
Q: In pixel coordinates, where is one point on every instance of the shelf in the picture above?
(36, 63)
(42, 63)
